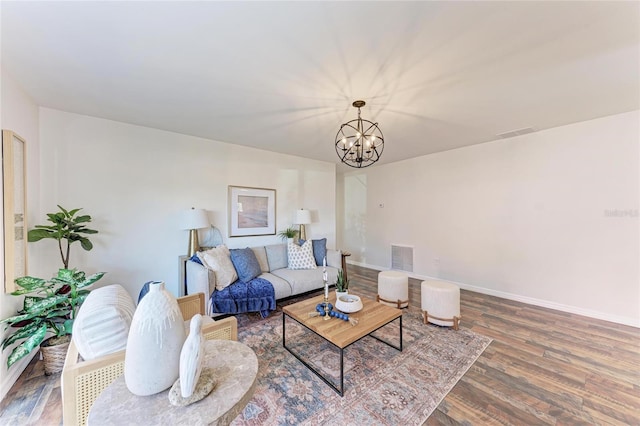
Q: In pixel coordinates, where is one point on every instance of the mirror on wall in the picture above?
(15, 208)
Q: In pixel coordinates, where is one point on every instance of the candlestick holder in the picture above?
(326, 290)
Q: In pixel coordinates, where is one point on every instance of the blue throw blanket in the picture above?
(256, 295)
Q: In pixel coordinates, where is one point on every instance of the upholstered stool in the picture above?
(440, 303)
(393, 289)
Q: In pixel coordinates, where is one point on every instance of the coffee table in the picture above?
(339, 333)
(235, 366)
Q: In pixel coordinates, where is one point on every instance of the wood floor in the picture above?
(543, 367)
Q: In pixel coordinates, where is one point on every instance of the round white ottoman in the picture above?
(440, 303)
(393, 289)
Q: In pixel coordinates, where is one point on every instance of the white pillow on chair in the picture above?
(102, 324)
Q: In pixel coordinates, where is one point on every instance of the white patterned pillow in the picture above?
(218, 259)
(301, 257)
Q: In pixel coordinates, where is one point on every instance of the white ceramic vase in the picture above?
(340, 293)
(156, 336)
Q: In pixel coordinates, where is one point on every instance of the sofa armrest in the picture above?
(200, 279)
(334, 258)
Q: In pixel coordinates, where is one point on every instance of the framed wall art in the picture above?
(252, 211)
(15, 208)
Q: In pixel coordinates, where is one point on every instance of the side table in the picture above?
(235, 366)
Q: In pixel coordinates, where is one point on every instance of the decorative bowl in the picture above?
(349, 303)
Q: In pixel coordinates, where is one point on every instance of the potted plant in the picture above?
(54, 303)
(290, 232)
(342, 285)
(49, 306)
(68, 227)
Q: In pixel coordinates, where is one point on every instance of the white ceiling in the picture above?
(281, 76)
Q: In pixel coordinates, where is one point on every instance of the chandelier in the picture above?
(359, 143)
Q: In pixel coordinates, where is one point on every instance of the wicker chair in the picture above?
(83, 381)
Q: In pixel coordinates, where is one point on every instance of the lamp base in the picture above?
(302, 234)
(194, 244)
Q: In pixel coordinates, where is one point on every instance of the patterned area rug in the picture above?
(382, 385)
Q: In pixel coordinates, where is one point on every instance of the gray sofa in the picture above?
(273, 263)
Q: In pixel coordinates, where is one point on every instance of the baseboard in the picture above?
(633, 322)
(14, 372)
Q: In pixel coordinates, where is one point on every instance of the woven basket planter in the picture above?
(54, 353)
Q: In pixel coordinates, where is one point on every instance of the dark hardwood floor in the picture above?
(543, 367)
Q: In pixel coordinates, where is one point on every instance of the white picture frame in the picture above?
(252, 211)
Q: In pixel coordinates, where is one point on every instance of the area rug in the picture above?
(382, 385)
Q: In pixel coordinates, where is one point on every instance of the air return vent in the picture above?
(402, 258)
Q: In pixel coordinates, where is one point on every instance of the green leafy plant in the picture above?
(67, 226)
(342, 284)
(49, 306)
(290, 232)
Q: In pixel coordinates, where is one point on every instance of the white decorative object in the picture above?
(301, 257)
(152, 360)
(191, 358)
(102, 324)
(339, 294)
(349, 303)
(440, 302)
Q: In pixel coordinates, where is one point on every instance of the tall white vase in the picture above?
(156, 336)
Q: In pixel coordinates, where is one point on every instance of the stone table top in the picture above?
(235, 366)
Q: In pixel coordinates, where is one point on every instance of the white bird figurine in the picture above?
(191, 358)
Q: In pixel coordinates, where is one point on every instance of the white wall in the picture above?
(135, 181)
(19, 113)
(530, 218)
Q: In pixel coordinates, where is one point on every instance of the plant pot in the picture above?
(54, 351)
(341, 293)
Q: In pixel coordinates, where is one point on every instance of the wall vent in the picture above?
(402, 258)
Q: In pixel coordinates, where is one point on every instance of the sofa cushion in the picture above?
(261, 255)
(218, 259)
(281, 287)
(301, 257)
(303, 280)
(102, 324)
(246, 264)
(277, 256)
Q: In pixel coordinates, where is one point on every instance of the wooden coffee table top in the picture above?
(372, 316)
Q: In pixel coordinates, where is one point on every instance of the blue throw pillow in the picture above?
(246, 264)
(196, 259)
(319, 250)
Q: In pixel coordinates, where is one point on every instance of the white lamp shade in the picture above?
(194, 219)
(302, 217)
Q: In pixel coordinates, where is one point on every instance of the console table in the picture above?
(235, 365)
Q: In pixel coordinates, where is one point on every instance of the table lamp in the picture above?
(194, 219)
(302, 218)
